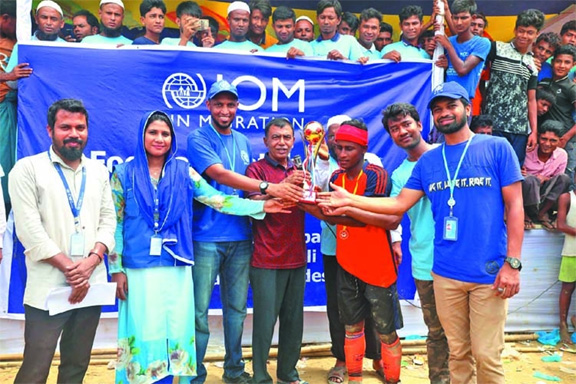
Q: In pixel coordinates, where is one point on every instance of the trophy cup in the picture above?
(312, 136)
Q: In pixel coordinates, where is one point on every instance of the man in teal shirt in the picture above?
(283, 21)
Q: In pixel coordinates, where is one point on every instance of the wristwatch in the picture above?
(514, 262)
(263, 187)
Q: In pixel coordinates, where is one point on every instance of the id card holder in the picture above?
(77, 244)
(451, 228)
(155, 245)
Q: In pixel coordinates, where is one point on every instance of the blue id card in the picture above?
(450, 228)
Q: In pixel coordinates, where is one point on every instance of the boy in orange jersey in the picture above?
(367, 269)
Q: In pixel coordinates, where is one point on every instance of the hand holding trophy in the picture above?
(312, 138)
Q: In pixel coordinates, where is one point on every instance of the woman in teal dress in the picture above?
(154, 254)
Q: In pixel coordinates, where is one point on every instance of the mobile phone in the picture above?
(204, 24)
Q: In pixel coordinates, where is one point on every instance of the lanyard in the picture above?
(74, 207)
(452, 182)
(355, 189)
(231, 160)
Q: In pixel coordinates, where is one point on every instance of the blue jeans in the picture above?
(230, 260)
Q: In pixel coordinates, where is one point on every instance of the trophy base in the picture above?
(309, 197)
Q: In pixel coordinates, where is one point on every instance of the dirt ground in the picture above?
(520, 367)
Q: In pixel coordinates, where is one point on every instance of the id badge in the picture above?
(77, 244)
(155, 245)
(450, 228)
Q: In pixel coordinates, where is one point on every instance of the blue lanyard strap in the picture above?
(74, 207)
(452, 181)
(231, 160)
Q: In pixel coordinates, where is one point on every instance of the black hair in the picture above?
(481, 121)
(530, 18)
(385, 27)
(90, 18)
(554, 126)
(371, 13)
(566, 50)
(323, 4)
(409, 11)
(551, 38)
(352, 20)
(190, 8)
(426, 34)
(399, 109)
(159, 116)
(358, 123)
(460, 6)
(545, 94)
(69, 105)
(283, 13)
(278, 122)
(480, 15)
(261, 5)
(8, 7)
(568, 26)
(147, 5)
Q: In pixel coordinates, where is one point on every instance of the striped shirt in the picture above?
(513, 74)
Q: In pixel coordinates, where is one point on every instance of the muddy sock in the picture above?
(354, 347)
(392, 360)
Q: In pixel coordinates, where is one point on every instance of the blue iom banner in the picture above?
(118, 85)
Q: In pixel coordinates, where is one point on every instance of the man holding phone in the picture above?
(188, 18)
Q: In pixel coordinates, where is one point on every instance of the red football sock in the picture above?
(354, 347)
(392, 360)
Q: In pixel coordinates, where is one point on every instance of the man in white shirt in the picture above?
(65, 219)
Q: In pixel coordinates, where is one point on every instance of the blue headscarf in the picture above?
(172, 189)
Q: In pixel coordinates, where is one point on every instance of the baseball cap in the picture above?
(117, 2)
(305, 18)
(50, 4)
(238, 6)
(451, 89)
(221, 86)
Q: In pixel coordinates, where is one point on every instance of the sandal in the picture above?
(336, 375)
(528, 224)
(548, 225)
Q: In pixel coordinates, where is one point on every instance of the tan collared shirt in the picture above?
(44, 221)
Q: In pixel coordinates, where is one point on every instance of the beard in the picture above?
(452, 127)
(46, 36)
(110, 32)
(71, 154)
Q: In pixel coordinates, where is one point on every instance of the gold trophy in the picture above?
(312, 137)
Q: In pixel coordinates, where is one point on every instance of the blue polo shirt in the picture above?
(345, 44)
(302, 45)
(407, 51)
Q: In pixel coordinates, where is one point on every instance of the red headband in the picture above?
(353, 134)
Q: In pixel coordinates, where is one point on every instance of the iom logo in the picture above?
(184, 90)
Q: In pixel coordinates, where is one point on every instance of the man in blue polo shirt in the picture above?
(368, 32)
(407, 48)
(283, 21)
(331, 44)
